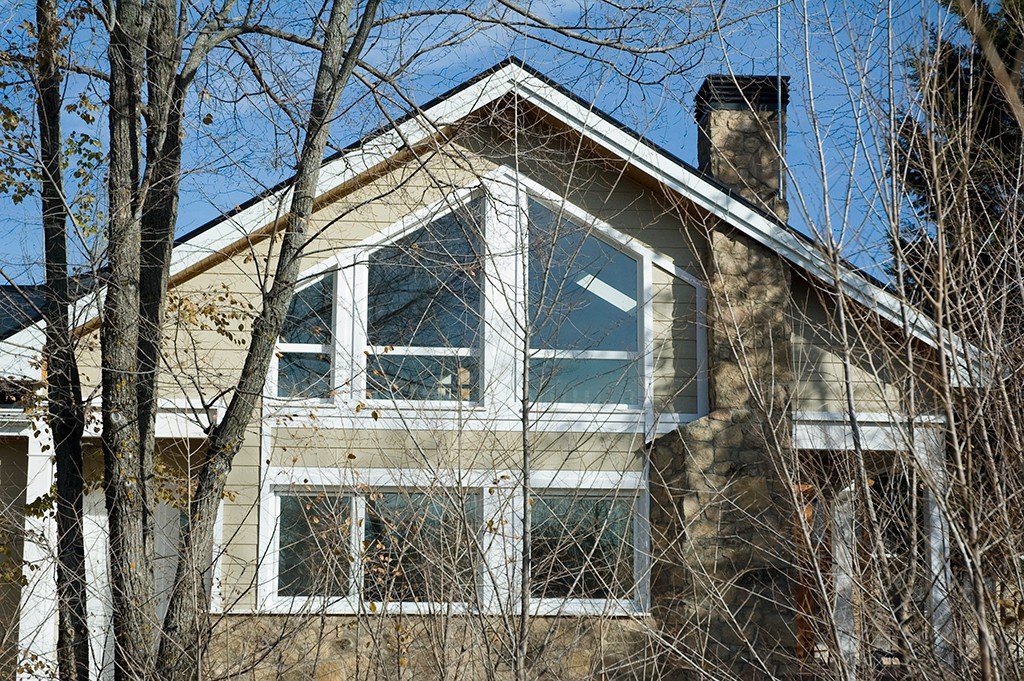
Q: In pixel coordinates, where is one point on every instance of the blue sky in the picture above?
(837, 52)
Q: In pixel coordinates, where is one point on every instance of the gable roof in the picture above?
(18, 352)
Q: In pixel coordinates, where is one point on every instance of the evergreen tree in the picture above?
(958, 157)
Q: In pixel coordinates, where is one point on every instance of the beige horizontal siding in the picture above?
(675, 344)
(818, 360)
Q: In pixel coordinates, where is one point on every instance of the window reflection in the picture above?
(304, 366)
(421, 547)
(584, 314)
(582, 545)
(424, 304)
(315, 554)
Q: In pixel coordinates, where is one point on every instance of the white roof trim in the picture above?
(17, 351)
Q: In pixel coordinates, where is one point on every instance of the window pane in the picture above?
(425, 289)
(421, 546)
(411, 377)
(587, 381)
(582, 546)
(315, 555)
(302, 374)
(310, 314)
(583, 292)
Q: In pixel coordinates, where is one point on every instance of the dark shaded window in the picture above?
(421, 547)
(582, 545)
(315, 551)
(425, 299)
(307, 342)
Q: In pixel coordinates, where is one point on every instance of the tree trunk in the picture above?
(127, 485)
(63, 388)
(186, 624)
(159, 216)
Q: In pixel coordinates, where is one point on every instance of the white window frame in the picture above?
(505, 194)
(502, 523)
(309, 278)
(597, 484)
(618, 241)
(356, 483)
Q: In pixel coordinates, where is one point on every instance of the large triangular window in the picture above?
(584, 314)
(424, 311)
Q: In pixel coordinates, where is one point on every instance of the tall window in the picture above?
(307, 342)
(315, 556)
(421, 547)
(424, 303)
(584, 317)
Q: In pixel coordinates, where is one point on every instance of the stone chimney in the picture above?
(738, 121)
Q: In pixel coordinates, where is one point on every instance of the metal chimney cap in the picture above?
(741, 93)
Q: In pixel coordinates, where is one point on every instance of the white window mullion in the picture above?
(503, 295)
(421, 351)
(344, 302)
(495, 579)
(646, 341)
(584, 354)
(512, 551)
(269, 530)
(360, 293)
(270, 386)
(304, 348)
(642, 544)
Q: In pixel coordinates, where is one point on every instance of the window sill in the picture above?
(354, 406)
(379, 414)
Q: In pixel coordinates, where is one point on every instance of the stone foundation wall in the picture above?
(407, 648)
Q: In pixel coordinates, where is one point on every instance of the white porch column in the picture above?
(844, 548)
(929, 451)
(37, 629)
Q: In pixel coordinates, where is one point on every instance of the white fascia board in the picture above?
(20, 354)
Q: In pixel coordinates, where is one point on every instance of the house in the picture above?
(511, 288)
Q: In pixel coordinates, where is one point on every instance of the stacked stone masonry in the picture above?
(721, 578)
